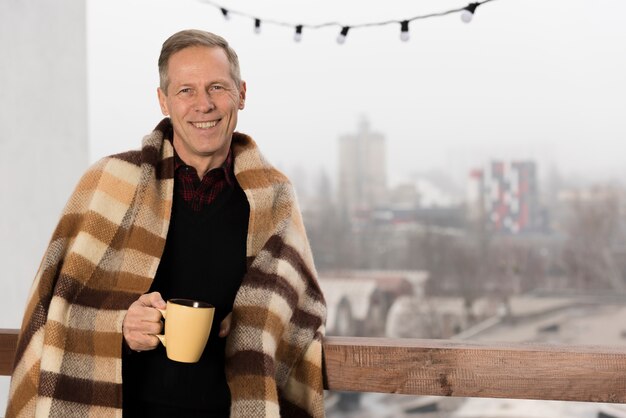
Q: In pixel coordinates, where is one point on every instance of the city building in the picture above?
(362, 171)
(505, 197)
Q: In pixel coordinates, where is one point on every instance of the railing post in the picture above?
(8, 344)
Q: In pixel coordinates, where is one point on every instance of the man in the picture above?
(197, 213)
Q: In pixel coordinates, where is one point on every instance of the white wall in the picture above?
(43, 136)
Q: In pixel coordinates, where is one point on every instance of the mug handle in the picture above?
(161, 337)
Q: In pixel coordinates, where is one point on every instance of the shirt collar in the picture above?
(226, 167)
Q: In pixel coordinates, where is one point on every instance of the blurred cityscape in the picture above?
(504, 257)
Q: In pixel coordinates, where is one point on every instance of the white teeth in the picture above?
(205, 125)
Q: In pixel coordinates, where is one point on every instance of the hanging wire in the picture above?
(225, 12)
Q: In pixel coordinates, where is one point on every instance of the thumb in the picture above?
(225, 325)
(156, 300)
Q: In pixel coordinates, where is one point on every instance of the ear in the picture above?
(242, 95)
(163, 101)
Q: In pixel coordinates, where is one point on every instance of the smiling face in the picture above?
(202, 101)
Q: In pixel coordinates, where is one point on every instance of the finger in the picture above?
(153, 299)
(144, 299)
(143, 320)
(140, 335)
(151, 315)
(225, 325)
(143, 343)
(150, 328)
(156, 300)
(138, 312)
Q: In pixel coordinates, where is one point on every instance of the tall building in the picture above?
(362, 171)
(505, 196)
(475, 193)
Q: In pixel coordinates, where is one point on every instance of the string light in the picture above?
(225, 13)
(466, 12)
(343, 34)
(298, 35)
(404, 30)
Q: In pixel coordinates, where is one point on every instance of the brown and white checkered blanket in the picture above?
(105, 252)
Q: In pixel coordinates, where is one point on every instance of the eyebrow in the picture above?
(223, 81)
(216, 81)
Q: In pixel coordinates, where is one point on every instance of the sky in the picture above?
(532, 79)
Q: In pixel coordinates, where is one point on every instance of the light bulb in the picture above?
(298, 35)
(466, 16)
(404, 30)
(341, 38)
(257, 26)
(468, 12)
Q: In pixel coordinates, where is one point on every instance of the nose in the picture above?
(204, 103)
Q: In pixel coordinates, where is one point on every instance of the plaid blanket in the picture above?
(105, 252)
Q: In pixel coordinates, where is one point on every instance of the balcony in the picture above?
(459, 369)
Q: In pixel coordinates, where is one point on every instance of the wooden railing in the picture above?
(449, 368)
(8, 342)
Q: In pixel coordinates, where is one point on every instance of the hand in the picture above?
(142, 322)
(225, 325)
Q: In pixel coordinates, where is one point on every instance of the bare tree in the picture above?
(592, 227)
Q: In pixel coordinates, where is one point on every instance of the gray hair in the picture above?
(193, 37)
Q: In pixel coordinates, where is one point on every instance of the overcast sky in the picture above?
(525, 79)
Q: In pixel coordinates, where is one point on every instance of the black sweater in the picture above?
(204, 259)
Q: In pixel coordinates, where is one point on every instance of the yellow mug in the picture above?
(187, 328)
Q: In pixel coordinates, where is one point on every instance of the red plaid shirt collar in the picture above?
(201, 193)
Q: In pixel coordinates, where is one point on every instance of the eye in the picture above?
(185, 90)
(216, 87)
